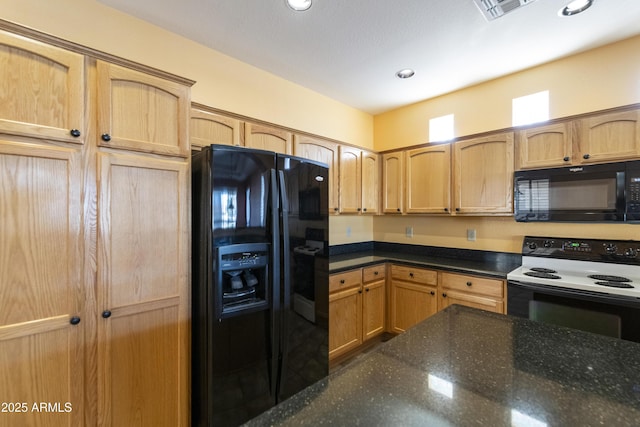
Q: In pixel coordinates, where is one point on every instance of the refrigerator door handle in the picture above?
(275, 287)
(286, 275)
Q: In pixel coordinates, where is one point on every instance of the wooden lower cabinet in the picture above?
(143, 289)
(472, 291)
(357, 307)
(417, 293)
(413, 296)
(373, 301)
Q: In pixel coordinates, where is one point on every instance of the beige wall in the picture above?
(601, 78)
(221, 81)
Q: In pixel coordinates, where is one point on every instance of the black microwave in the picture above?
(589, 193)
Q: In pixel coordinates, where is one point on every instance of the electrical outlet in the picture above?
(409, 231)
(471, 234)
(348, 231)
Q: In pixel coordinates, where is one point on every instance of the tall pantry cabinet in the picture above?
(94, 219)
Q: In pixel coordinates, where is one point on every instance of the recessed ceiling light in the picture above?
(405, 74)
(299, 5)
(575, 7)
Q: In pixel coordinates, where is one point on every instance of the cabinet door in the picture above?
(545, 146)
(350, 182)
(140, 112)
(429, 179)
(483, 175)
(41, 90)
(345, 321)
(411, 304)
(393, 182)
(267, 138)
(143, 292)
(614, 136)
(370, 183)
(373, 309)
(449, 297)
(208, 128)
(325, 152)
(41, 289)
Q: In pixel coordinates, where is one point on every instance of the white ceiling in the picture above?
(350, 50)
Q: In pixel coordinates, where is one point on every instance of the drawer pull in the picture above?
(342, 281)
(375, 273)
(410, 274)
(469, 283)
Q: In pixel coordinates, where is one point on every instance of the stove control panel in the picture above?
(612, 251)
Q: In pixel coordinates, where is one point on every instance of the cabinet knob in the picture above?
(360, 291)
(74, 133)
(444, 295)
(446, 209)
(375, 273)
(366, 289)
(469, 283)
(566, 158)
(457, 209)
(410, 274)
(106, 314)
(106, 137)
(364, 210)
(342, 282)
(585, 156)
(432, 293)
(74, 320)
(398, 209)
(335, 209)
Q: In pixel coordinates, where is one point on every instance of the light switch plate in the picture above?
(471, 234)
(409, 231)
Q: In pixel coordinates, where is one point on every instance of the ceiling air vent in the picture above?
(492, 9)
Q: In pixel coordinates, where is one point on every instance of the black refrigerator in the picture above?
(260, 331)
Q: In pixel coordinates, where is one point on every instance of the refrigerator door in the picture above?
(303, 202)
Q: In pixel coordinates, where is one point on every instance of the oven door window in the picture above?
(576, 318)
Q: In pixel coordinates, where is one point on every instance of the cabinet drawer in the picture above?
(478, 285)
(376, 272)
(412, 274)
(348, 279)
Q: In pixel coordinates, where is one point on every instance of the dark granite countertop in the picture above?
(492, 264)
(465, 367)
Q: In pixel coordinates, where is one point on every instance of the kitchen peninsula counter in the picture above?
(464, 366)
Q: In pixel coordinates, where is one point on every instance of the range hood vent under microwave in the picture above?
(493, 9)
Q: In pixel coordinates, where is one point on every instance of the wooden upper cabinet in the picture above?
(428, 181)
(207, 128)
(370, 183)
(43, 316)
(483, 175)
(545, 146)
(350, 181)
(141, 112)
(41, 90)
(393, 182)
(610, 137)
(267, 138)
(321, 151)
